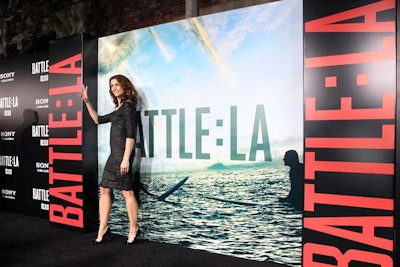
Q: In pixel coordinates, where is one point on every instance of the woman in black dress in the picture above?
(117, 172)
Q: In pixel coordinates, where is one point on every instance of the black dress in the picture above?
(122, 127)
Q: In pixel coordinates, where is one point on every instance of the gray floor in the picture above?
(30, 241)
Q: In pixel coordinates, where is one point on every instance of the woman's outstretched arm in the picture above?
(92, 112)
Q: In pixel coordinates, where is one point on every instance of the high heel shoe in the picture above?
(105, 238)
(135, 240)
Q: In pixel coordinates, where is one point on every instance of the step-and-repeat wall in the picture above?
(24, 135)
(226, 146)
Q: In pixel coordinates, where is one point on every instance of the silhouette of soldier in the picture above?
(296, 175)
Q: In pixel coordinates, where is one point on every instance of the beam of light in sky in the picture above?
(168, 56)
(202, 37)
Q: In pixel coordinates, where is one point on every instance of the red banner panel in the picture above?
(349, 131)
(68, 186)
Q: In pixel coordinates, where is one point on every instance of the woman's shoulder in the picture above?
(128, 106)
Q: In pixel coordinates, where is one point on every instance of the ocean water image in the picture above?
(259, 227)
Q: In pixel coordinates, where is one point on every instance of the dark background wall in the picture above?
(27, 26)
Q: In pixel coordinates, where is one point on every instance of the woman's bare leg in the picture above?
(133, 210)
(104, 211)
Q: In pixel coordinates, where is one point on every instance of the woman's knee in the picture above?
(105, 191)
(127, 193)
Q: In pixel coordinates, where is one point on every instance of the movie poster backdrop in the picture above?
(24, 135)
(349, 128)
(220, 105)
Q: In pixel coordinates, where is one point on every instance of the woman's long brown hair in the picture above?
(130, 92)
